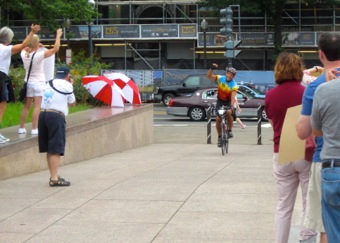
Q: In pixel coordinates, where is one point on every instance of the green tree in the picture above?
(49, 13)
(273, 9)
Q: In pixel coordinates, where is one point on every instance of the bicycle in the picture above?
(222, 112)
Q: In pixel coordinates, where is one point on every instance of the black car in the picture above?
(185, 88)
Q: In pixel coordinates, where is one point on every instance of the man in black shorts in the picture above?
(57, 97)
(226, 93)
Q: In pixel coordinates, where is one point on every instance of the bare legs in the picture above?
(53, 161)
(218, 125)
(229, 120)
(36, 111)
(24, 112)
(323, 237)
(36, 101)
(238, 120)
(2, 109)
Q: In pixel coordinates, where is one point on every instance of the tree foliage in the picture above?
(49, 13)
(273, 9)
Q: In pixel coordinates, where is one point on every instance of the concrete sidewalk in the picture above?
(165, 192)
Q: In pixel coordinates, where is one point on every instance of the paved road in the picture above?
(172, 129)
(178, 189)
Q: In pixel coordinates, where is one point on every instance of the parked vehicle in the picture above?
(251, 90)
(185, 88)
(195, 107)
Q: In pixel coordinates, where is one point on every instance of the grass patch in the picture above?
(13, 111)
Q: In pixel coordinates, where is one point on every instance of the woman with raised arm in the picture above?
(6, 52)
(36, 81)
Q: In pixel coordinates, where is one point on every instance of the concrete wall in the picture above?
(90, 134)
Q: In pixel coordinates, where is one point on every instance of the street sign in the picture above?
(230, 44)
(231, 53)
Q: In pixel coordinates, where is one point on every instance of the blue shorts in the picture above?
(330, 190)
(52, 133)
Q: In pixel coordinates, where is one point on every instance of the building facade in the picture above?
(159, 34)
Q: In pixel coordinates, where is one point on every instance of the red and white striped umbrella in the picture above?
(127, 85)
(104, 89)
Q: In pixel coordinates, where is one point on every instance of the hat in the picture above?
(231, 70)
(62, 72)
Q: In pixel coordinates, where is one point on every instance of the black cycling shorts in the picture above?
(220, 103)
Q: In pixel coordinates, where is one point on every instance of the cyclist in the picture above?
(226, 93)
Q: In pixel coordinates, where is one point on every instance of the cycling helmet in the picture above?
(231, 69)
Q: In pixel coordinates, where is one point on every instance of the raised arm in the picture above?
(56, 46)
(18, 47)
(210, 74)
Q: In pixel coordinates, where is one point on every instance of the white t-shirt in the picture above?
(56, 101)
(5, 58)
(37, 72)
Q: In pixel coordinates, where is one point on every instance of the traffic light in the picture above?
(227, 21)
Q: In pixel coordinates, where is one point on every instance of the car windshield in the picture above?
(247, 92)
(252, 87)
(257, 91)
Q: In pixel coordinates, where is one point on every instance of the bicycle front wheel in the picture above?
(224, 146)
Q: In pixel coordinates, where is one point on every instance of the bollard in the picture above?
(209, 111)
(259, 118)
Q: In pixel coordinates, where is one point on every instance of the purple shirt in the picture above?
(277, 101)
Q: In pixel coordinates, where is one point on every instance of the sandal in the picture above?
(59, 182)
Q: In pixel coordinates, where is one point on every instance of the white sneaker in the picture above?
(4, 139)
(21, 131)
(310, 240)
(34, 131)
(243, 127)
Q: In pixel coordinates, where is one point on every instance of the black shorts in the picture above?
(234, 113)
(4, 79)
(220, 103)
(52, 133)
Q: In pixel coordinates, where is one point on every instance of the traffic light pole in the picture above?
(230, 59)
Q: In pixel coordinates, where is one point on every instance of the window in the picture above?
(192, 81)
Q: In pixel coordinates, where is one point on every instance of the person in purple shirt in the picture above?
(289, 175)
